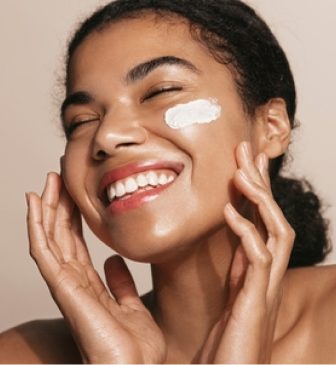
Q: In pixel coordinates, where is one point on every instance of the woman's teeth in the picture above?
(142, 181)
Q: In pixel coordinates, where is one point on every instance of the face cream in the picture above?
(195, 112)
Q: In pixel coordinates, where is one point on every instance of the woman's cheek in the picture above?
(200, 111)
(74, 170)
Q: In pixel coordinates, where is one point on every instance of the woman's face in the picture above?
(122, 81)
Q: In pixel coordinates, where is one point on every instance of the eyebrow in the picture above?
(139, 72)
(136, 74)
(77, 98)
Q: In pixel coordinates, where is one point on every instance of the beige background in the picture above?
(32, 36)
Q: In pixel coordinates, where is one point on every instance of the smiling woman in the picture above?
(177, 117)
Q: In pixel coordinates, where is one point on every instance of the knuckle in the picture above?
(260, 195)
(33, 253)
(265, 195)
(248, 228)
(265, 260)
(291, 234)
(287, 233)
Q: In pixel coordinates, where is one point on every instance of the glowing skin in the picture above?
(118, 111)
(195, 112)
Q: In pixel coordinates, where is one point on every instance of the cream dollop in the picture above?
(195, 112)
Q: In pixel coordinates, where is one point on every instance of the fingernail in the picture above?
(230, 208)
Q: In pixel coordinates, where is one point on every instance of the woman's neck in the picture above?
(190, 294)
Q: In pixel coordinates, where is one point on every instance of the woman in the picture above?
(177, 116)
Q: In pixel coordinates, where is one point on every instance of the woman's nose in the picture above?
(115, 134)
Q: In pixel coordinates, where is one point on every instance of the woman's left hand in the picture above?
(245, 332)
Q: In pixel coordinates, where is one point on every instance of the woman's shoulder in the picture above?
(309, 290)
(40, 341)
(313, 283)
(307, 318)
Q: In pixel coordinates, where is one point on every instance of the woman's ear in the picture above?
(272, 128)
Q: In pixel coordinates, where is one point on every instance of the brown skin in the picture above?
(22, 344)
(242, 298)
(304, 335)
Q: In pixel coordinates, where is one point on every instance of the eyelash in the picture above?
(164, 89)
(71, 128)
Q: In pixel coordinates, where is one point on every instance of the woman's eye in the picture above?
(69, 129)
(161, 90)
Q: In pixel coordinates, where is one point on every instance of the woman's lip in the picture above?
(136, 200)
(132, 168)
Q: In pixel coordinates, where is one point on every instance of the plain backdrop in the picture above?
(32, 38)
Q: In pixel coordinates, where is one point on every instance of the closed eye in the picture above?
(75, 124)
(161, 90)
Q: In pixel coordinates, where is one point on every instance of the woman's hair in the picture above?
(238, 38)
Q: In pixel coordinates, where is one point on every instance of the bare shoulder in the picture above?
(306, 330)
(310, 290)
(315, 283)
(39, 342)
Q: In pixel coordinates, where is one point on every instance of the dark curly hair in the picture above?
(238, 38)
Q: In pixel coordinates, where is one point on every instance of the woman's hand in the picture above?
(245, 332)
(106, 330)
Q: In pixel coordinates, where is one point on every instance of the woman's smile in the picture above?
(129, 186)
(125, 165)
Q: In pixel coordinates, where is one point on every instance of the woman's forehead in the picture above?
(133, 41)
(143, 30)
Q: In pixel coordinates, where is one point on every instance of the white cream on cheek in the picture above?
(195, 112)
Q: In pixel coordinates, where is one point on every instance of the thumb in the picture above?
(120, 282)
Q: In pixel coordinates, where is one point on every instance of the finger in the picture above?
(63, 233)
(77, 231)
(260, 225)
(250, 182)
(98, 288)
(68, 230)
(38, 240)
(256, 172)
(257, 254)
(250, 179)
(121, 283)
(237, 275)
(280, 233)
(256, 169)
(50, 202)
(262, 163)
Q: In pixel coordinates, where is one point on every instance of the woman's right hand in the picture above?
(106, 330)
